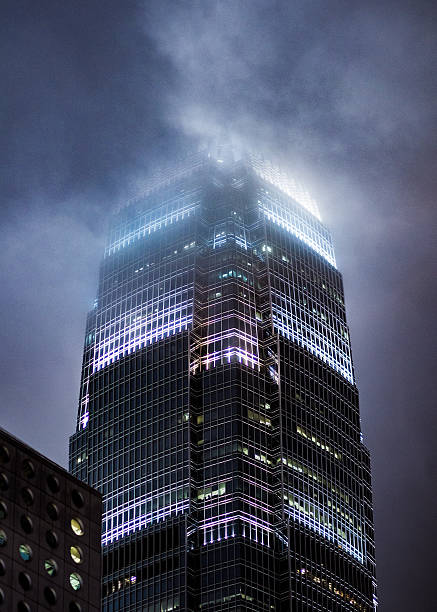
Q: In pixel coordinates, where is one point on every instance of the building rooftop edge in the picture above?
(262, 167)
(28, 448)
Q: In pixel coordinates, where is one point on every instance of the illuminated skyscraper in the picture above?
(218, 411)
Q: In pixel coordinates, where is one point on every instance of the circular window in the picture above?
(25, 552)
(2, 597)
(76, 554)
(4, 454)
(2, 567)
(77, 526)
(3, 537)
(77, 498)
(51, 567)
(75, 581)
(28, 468)
(50, 595)
(26, 523)
(52, 511)
(52, 539)
(25, 581)
(3, 510)
(53, 483)
(4, 482)
(74, 607)
(27, 496)
(22, 606)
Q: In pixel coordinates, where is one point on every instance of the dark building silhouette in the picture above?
(50, 528)
(218, 410)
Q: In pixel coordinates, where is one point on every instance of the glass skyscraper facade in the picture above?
(218, 412)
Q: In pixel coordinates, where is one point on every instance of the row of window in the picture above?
(327, 584)
(52, 509)
(28, 470)
(51, 598)
(51, 567)
(52, 540)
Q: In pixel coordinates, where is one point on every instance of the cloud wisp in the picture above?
(342, 94)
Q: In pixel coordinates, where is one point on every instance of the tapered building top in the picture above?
(218, 412)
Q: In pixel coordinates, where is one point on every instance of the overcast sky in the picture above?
(342, 93)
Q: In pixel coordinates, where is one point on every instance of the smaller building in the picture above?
(50, 529)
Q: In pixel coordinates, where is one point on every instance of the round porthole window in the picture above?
(2, 597)
(4, 454)
(3, 537)
(76, 554)
(51, 539)
(53, 483)
(26, 523)
(51, 567)
(3, 510)
(74, 607)
(50, 595)
(25, 552)
(76, 581)
(27, 496)
(4, 482)
(52, 511)
(22, 606)
(28, 468)
(77, 526)
(2, 567)
(77, 498)
(25, 581)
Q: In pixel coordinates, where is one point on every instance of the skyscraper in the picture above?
(218, 411)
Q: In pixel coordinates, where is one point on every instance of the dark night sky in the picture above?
(342, 93)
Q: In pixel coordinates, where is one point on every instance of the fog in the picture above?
(340, 94)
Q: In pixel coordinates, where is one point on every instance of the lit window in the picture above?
(75, 581)
(76, 554)
(51, 567)
(25, 552)
(77, 526)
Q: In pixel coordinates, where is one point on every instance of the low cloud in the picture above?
(341, 94)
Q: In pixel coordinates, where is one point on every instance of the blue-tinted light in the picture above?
(321, 342)
(301, 225)
(150, 222)
(137, 332)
